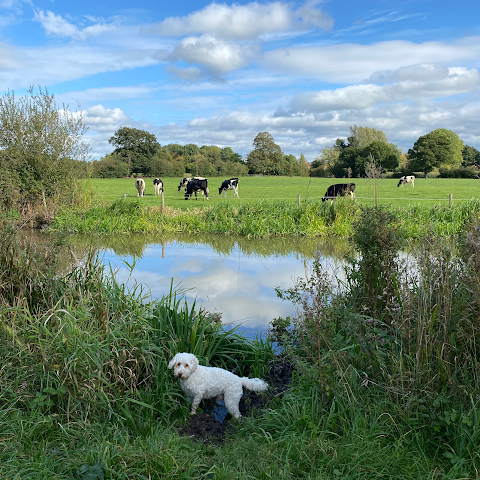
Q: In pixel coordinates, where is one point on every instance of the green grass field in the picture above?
(427, 191)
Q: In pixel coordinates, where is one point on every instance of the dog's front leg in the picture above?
(195, 404)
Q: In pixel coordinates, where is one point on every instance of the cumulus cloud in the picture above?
(243, 22)
(56, 25)
(104, 119)
(216, 56)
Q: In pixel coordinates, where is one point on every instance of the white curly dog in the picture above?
(200, 383)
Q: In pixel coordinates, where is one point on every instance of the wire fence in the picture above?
(181, 197)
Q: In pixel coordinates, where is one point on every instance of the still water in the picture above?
(235, 277)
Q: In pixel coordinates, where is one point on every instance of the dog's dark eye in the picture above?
(186, 365)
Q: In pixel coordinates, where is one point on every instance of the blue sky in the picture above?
(220, 73)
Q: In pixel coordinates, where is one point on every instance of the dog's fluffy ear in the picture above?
(194, 363)
(173, 361)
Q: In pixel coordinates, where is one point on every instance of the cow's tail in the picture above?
(254, 384)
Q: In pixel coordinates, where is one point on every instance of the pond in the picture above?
(235, 277)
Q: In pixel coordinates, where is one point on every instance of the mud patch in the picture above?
(213, 426)
(205, 428)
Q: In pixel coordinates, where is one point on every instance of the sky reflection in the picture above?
(241, 287)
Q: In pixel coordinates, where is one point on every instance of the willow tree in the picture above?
(39, 142)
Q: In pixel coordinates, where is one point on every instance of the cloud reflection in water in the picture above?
(240, 286)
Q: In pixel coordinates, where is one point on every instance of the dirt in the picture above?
(213, 425)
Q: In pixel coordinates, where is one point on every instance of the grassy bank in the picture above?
(385, 381)
(260, 219)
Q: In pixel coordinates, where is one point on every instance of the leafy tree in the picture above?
(350, 162)
(440, 147)
(212, 153)
(386, 155)
(228, 155)
(265, 156)
(189, 151)
(470, 156)
(324, 163)
(111, 166)
(301, 168)
(364, 136)
(136, 147)
(38, 145)
(175, 150)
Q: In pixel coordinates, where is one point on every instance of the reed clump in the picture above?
(401, 331)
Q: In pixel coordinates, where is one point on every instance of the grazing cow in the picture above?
(339, 190)
(406, 179)
(140, 186)
(195, 185)
(184, 182)
(158, 186)
(231, 184)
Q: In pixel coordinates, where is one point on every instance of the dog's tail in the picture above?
(254, 384)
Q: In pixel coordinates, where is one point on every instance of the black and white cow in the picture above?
(196, 185)
(157, 186)
(406, 179)
(140, 186)
(231, 184)
(184, 182)
(339, 190)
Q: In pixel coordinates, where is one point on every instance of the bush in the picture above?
(460, 172)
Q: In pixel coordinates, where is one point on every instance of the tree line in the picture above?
(137, 152)
(440, 151)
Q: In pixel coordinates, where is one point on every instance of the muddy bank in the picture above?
(214, 425)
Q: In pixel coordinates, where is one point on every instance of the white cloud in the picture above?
(53, 65)
(216, 56)
(243, 22)
(56, 25)
(104, 94)
(350, 63)
(190, 73)
(417, 81)
(104, 118)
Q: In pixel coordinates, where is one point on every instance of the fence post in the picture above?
(298, 199)
(450, 199)
(163, 203)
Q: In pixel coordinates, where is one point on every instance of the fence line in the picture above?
(298, 199)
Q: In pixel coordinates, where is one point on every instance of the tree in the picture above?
(301, 168)
(265, 156)
(175, 150)
(440, 147)
(364, 136)
(38, 142)
(189, 151)
(324, 163)
(470, 156)
(136, 147)
(386, 155)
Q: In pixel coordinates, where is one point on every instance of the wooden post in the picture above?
(163, 203)
(450, 199)
(298, 199)
(163, 249)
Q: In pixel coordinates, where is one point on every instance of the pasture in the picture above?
(429, 191)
